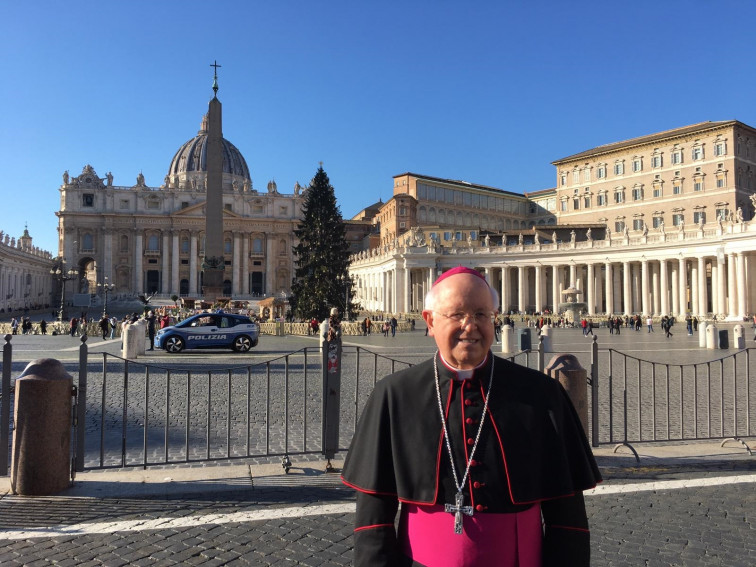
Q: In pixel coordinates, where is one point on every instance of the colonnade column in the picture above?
(740, 273)
(609, 284)
(655, 302)
(663, 288)
(682, 277)
(193, 275)
(505, 289)
(406, 288)
(269, 266)
(645, 308)
(732, 295)
(591, 286)
(626, 295)
(720, 290)
(538, 288)
(107, 269)
(138, 259)
(521, 289)
(702, 303)
(556, 279)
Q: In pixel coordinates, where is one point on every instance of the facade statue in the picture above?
(469, 240)
(537, 238)
(553, 237)
(520, 239)
(66, 178)
(627, 231)
(572, 236)
(661, 227)
(588, 234)
(645, 229)
(140, 180)
(753, 200)
(739, 215)
(297, 188)
(272, 187)
(235, 185)
(681, 226)
(487, 241)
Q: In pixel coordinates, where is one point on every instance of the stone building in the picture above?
(150, 239)
(25, 281)
(661, 224)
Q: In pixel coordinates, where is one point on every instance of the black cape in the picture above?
(537, 444)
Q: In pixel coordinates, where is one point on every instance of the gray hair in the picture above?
(430, 298)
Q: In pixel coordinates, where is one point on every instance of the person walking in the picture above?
(104, 326)
(43, 327)
(74, 326)
(393, 324)
(650, 324)
(14, 325)
(151, 320)
(113, 326)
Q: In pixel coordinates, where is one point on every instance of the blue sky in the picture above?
(489, 92)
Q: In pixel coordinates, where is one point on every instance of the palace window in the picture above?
(153, 243)
(87, 200)
(562, 180)
(124, 243)
(227, 247)
(87, 243)
(619, 168)
(638, 224)
(586, 201)
(638, 193)
(601, 171)
(637, 164)
(699, 217)
(676, 156)
(723, 213)
(257, 246)
(587, 174)
(185, 245)
(677, 188)
(657, 221)
(697, 153)
(678, 219)
(698, 184)
(656, 160)
(619, 226)
(720, 148)
(619, 195)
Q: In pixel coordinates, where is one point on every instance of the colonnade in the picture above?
(702, 285)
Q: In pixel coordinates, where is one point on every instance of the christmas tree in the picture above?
(321, 279)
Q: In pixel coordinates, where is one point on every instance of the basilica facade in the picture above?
(657, 225)
(150, 239)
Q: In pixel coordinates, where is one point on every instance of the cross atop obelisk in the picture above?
(215, 77)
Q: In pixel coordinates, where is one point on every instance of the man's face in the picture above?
(463, 341)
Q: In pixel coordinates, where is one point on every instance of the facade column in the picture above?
(270, 283)
(573, 276)
(645, 307)
(406, 288)
(740, 277)
(663, 288)
(675, 287)
(732, 294)
(590, 290)
(682, 280)
(598, 288)
(245, 265)
(521, 289)
(175, 285)
(165, 276)
(193, 273)
(627, 296)
(702, 295)
(236, 266)
(635, 271)
(138, 260)
(654, 301)
(107, 268)
(609, 286)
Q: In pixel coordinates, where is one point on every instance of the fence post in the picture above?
(331, 399)
(594, 393)
(81, 407)
(5, 404)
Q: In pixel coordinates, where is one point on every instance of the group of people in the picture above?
(26, 326)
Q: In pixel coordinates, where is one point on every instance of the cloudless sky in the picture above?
(489, 92)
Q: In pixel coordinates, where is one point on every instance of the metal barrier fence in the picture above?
(146, 414)
(640, 401)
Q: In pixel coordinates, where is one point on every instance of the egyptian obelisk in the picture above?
(213, 264)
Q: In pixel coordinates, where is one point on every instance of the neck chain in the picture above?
(457, 508)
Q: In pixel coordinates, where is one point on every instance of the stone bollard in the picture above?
(506, 339)
(131, 337)
(712, 336)
(738, 336)
(546, 334)
(141, 341)
(41, 453)
(574, 379)
(702, 334)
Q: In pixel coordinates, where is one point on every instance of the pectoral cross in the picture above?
(458, 509)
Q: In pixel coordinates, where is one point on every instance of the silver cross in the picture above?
(458, 509)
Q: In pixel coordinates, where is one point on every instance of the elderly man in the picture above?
(487, 458)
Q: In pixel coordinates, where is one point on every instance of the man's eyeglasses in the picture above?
(479, 317)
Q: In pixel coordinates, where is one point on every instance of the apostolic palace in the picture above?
(661, 224)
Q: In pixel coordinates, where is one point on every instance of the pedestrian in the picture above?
(584, 325)
(393, 324)
(74, 325)
(689, 324)
(113, 326)
(43, 327)
(695, 324)
(104, 326)
(497, 329)
(363, 325)
(468, 443)
(386, 328)
(151, 320)
(650, 324)
(369, 325)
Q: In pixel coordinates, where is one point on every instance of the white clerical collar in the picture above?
(462, 374)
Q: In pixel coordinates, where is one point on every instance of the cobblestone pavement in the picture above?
(684, 504)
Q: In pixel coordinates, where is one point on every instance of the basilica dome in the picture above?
(189, 165)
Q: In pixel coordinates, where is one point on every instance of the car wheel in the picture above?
(242, 343)
(174, 344)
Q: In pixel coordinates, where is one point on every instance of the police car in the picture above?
(210, 330)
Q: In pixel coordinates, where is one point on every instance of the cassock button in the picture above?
(473, 463)
(467, 385)
(470, 403)
(481, 508)
(469, 421)
(470, 441)
(476, 484)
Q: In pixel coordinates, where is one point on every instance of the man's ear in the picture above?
(428, 317)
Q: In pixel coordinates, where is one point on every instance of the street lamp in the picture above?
(106, 289)
(62, 276)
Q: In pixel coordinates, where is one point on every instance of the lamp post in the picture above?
(62, 275)
(106, 289)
